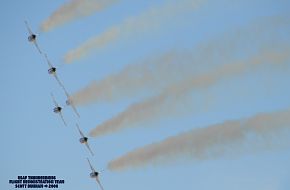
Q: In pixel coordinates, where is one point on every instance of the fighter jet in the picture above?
(84, 140)
(95, 175)
(32, 37)
(57, 109)
(52, 71)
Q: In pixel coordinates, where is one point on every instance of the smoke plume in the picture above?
(164, 103)
(148, 20)
(72, 10)
(210, 142)
(158, 71)
(154, 74)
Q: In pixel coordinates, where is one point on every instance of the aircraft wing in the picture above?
(47, 60)
(36, 45)
(80, 131)
(62, 118)
(75, 110)
(71, 103)
(98, 181)
(53, 99)
(89, 148)
(28, 28)
(66, 93)
(60, 83)
(93, 170)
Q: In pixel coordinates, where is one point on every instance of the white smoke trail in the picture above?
(74, 9)
(157, 106)
(210, 142)
(157, 72)
(149, 19)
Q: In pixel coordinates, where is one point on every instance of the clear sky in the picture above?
(35, 142)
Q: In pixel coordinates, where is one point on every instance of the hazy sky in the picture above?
(209, 33)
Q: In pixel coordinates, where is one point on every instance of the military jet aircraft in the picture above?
(52, 71)
(95, 175)
(32, 37)
(57, 109)
(84, 140)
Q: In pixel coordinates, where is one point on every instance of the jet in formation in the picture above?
(52, 70)
(32, 37)
(57, 109)
(95, 175)
(84, 140)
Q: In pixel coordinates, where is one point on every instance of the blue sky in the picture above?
(35, 142)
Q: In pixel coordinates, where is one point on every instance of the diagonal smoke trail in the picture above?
(158, 106)
(155, 73)
(74, 9)
(148, 74)
(149, 19)
(210, 142)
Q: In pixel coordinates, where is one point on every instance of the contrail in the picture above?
(164, 103)
(151, 18)
(210, 142)
(72, 10)
(156, 72)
